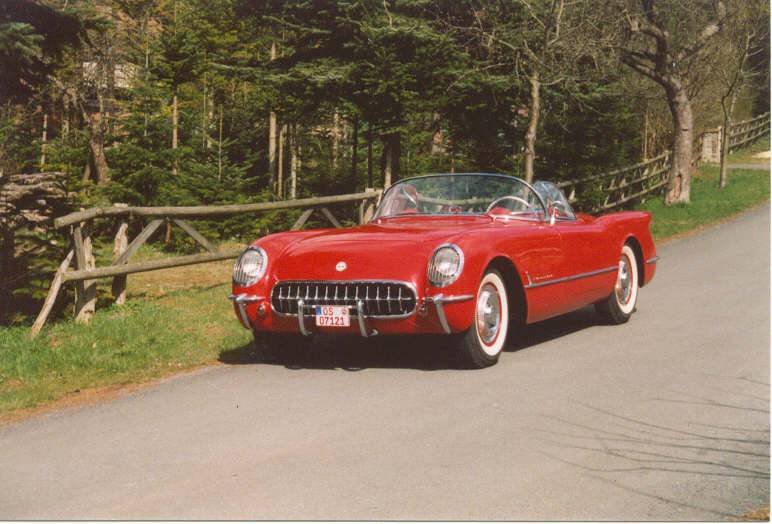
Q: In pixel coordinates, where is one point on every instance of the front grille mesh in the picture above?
(379, 299)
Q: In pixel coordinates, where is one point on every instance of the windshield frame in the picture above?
(544, 218)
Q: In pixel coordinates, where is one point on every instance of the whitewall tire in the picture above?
(620, 305)
(483, 342)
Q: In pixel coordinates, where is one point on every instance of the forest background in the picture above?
(183, 102)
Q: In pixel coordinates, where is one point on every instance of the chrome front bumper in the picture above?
(438, 301)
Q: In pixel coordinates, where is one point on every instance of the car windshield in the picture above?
(450, 194)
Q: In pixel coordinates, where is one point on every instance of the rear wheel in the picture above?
(620, 304)
(482, 344)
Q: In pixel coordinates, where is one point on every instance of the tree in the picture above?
(744, 38)
(667, 47)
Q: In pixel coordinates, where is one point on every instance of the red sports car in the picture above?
(473, 256)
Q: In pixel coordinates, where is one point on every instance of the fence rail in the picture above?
(742, 133)
(85, 271)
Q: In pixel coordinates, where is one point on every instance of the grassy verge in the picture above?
(166, 327)
(142, 340)
(746, 188)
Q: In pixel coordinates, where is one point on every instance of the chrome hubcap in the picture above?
(624, 287)
(488, 313)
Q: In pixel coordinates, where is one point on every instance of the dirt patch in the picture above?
(761, 514)
(762, 154)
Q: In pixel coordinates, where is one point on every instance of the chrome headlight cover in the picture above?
(445, 265)
(250, 266)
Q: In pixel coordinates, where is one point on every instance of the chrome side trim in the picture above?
(352, 282)
(439, 302)
(241, 302)
(302, 318)
(532, 285)
(652, 260)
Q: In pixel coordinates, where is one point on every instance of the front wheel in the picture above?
(620, 304)
(482, 344)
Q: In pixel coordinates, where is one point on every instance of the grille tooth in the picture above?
(379, 299)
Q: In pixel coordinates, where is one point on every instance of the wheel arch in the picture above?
(635, 245)
(518, 304)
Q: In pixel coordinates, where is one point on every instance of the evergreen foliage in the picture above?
(429, 85)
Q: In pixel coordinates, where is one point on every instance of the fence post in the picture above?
(366, 209)
(120, 244)
(85, 291)
(711, 145)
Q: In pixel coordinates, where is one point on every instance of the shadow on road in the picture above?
(425, 353)
(628, 452)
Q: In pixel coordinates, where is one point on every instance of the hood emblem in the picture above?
(341, 266)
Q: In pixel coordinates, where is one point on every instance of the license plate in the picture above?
(332, 316)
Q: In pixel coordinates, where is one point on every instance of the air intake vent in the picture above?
(379, 298)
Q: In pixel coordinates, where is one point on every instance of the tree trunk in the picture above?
(272, 130)
(390, 159)
(337, 134)
(679, 183)
(645, 144)
(280, 175)
(43, 140)
(369, 155)
(175, 130)
(728, 112)
(219, 149)
(354, 152)
(533, 124)
(97, 167)
(294, 161)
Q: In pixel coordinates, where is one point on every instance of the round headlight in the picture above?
(250, 266)
(445, 265)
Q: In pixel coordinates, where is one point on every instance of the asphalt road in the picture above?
(664, 418)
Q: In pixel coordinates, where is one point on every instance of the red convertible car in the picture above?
(473, 256)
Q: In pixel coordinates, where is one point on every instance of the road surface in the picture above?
(664, 418)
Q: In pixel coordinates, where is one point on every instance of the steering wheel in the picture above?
(508, 197)
(411, 198)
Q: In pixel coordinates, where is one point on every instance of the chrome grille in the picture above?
(379, 298)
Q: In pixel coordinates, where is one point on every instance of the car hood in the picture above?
(394, 249)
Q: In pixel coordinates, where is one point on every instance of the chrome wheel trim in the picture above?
(491, 292)
(624, 285)
(488, 313)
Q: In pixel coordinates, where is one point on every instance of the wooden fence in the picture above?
(747, 131)
(638, 182)
(85, 272)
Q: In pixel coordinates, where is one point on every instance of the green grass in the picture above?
(745, 189)
(141, 340)
(151, 336)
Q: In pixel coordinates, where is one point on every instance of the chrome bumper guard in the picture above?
(241, 302)
(438, 301)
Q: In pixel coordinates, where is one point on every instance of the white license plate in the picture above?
(332, 316)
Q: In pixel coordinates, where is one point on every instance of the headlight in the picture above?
(445, 265)
(250, 266)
